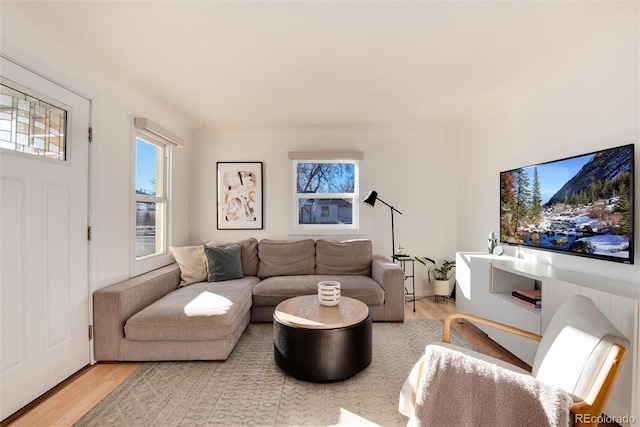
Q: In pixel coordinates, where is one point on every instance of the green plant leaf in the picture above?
(435, 272)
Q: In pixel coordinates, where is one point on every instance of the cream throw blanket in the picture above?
(455, 389)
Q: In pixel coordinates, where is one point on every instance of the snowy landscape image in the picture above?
(581, 205)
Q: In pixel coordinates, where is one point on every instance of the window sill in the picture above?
(321, 231)
(145, 265)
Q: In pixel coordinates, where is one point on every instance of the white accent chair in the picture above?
(581, 353)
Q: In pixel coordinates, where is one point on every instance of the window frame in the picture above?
(324, 229)
(161, 256)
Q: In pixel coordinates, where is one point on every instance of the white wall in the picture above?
(36, 37)
(411, 167)
(579, 101)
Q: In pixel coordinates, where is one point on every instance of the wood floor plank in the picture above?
(69, 403)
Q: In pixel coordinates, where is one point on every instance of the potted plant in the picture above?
(439, 275)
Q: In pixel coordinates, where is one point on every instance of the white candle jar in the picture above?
(329, 292)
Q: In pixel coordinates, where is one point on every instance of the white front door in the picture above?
(44, 249)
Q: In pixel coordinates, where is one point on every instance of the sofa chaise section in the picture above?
(147, 318)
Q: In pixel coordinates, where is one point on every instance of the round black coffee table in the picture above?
(322, 344)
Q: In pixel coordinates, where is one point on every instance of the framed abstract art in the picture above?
(240, 196)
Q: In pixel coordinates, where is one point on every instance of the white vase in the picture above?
(329, 292)
(441, 287)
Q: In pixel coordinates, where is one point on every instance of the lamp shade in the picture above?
(371, 198)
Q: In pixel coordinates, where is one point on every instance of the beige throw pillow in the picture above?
(192, 262)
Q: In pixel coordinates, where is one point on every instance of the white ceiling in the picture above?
(332, 62)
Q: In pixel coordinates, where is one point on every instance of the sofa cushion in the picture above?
(248, 254)
(348, 257)
(202, 311)
(273, 290)
(192, 262)
(286, 257)
(223, 263)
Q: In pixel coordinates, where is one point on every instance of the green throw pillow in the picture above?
(223, 263)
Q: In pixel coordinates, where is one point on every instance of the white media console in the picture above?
(484, 283)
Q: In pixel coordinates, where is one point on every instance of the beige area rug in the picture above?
(250, 389)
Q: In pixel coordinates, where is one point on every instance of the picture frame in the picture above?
(240, 201)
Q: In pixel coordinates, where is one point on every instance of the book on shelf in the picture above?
(525, 302)
(535, 294)
(537, 302)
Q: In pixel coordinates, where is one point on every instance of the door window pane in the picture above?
(30, 125)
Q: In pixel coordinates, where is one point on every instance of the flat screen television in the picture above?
(582, 205)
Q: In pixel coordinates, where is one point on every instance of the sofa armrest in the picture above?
(391, 277)
(115, 304)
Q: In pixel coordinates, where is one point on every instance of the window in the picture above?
(30, 125)
(325, 195)
(152, 151)
(150, 197)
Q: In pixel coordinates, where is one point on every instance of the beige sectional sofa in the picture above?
(160, 316)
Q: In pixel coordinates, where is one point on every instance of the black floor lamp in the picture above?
(370, 200)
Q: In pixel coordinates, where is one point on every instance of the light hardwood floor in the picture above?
(67, 403)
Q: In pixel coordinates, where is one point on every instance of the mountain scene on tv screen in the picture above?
(580, 205)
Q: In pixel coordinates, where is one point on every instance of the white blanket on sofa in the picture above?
(449, 388)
